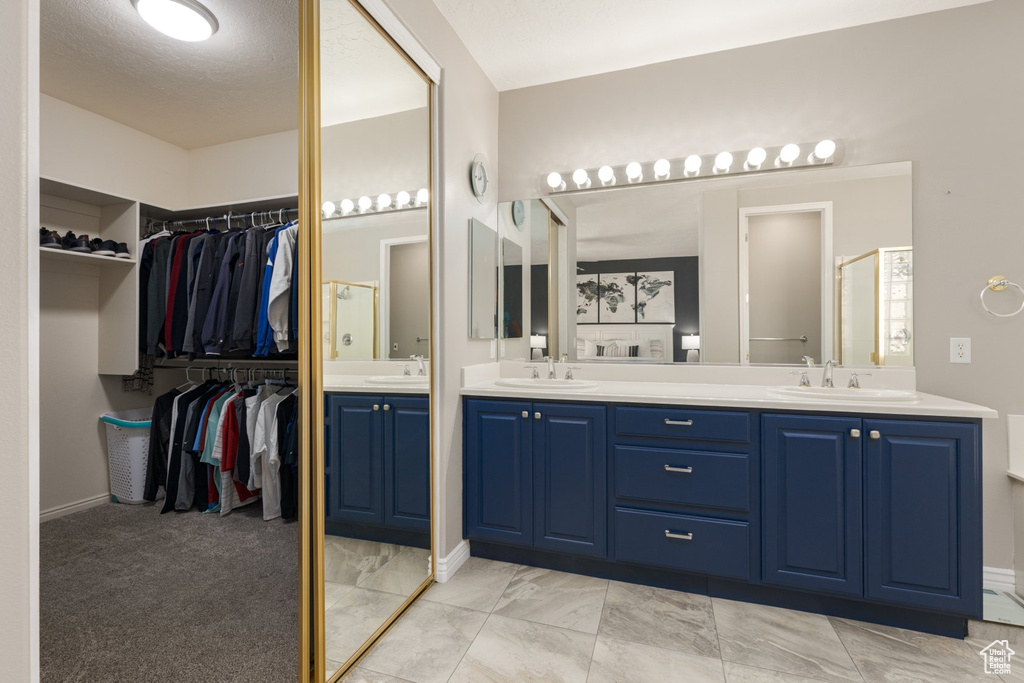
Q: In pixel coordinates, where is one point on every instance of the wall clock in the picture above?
(518, 214)
(479, 177)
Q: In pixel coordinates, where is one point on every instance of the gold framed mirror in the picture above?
(368, 378)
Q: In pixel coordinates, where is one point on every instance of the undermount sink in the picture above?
(399, 380)
(839, 394)
(553, 384)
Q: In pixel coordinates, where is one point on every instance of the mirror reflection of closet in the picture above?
(375, 157)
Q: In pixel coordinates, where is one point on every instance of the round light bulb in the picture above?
(402, 199)
(662, 168)
(824, 149)
(580, 177)
(328, 208)
(422, 196)
(347, 206)
(723, 162)
(365, 203)
(383, 201)
(185, 20)
(555, 180)
(634, 172)
(692, 164)
(789, 153)
(606, 175)
(756, 157)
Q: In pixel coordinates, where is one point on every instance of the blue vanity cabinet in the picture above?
(407, 462)
(812, 478)
(354, 449)
(569, 478)
(924, 515)
(498, 471)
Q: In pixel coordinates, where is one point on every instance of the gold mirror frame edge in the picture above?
(311, 483)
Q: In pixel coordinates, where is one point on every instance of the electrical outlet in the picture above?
(394, 347)
(960, 350)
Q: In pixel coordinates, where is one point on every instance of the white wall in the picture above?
(930, 89)
(19, 414)
(254, 168)
(469, 125)
(85, 149)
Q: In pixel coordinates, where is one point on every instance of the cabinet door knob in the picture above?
(874, 434)
(536, 416)
(855, 433)
(681, 537)
(376, 407)
(526, 413)
(683, 470)
(387, 407)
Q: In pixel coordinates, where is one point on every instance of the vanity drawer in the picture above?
(696, 544)
(667, 475)
(682, 423)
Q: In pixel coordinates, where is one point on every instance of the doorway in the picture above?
(786, 283)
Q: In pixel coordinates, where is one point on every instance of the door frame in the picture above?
(827, 266)
(384, 291)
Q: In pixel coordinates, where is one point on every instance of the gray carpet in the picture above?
(128, 594)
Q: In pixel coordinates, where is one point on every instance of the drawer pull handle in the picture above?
(681, 537)
(679, 423)
(682, 470)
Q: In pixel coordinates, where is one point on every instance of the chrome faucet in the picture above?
(805, 381)
(809, 361)
(422, 372)
(533, 371)
(568, 371)
(405, 370)
(551, 366)
(826, 376)
(855, 379)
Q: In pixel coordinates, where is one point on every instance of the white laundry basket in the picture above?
(128, 448)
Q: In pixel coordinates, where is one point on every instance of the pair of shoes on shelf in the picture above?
(50, 239)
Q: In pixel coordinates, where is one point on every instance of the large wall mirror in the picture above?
(374, 528)
(768, 269)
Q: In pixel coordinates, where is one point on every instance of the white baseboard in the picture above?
(999, 579)
(447, 566)
(72, 508)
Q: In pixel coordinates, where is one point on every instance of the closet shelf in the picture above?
(59, 255)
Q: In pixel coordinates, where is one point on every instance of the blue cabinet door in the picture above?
(499, 478)
(569, 478)
(812, 503)
(923, 515)
(354, 452)
(407, 462)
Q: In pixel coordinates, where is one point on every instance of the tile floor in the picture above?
(496, 622)
(366, 582)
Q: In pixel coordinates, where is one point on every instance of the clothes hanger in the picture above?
(188, 382)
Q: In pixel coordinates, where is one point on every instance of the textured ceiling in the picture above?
(101, 56)
(520, 43)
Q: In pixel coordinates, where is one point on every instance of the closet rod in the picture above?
(254, 217)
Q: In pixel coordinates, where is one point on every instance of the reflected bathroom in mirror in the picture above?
(773, 268)
(376, 313)
(483, 278)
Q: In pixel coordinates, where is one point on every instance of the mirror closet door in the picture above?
(371, 266)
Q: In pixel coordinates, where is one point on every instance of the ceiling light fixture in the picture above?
(186, 20)
(825, 152)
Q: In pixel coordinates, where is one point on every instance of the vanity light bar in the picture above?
(384, 203)
(755, 160)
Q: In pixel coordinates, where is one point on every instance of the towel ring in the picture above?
(998, 283)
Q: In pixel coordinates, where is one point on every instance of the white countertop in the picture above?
(728, 396)
(359, 384)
